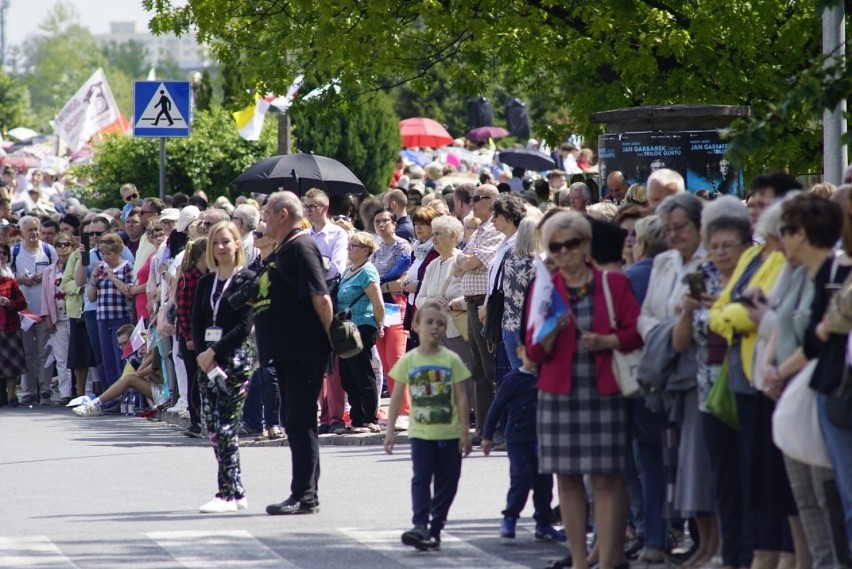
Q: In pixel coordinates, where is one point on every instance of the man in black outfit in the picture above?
(292, 317)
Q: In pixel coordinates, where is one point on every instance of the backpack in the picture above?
(17, 249)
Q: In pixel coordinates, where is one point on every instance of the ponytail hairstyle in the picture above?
(194, 251)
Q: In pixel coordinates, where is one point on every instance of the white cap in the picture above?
(187, 215)
(169, 214)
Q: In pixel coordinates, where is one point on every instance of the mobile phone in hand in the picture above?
(695, 281)
(85, 256)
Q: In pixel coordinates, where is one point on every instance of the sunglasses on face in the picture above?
(258, 234)
(62, 245)
(95, 233)
(568, 245)
(341, 218)
(131, 197)
(476, 199)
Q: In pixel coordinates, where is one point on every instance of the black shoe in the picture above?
(29, 400)
(290, 507)
(564, 563)
(13, 402)
(194, 431)
(420, 539)
(476, 440)
(323, 429)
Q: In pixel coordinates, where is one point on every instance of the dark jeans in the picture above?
(194, 395)
(523, 477)
(95, 340)
(482, 367)
(439, 461)
(264, 407)
(723, 444)
(647, 430)
(359, 380)
(300, 384)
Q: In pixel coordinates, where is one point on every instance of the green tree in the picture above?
(14, 101)
(209, 159)
(579, 57)
(128, 57)
(204, 93)
(364, 136)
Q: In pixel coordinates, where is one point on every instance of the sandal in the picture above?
(275, 433)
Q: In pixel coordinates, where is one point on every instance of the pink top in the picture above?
(141, 299)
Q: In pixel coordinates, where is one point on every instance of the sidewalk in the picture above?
(366, 439)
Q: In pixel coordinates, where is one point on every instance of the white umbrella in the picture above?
(22, 133)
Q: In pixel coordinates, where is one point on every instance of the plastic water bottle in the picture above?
(124, 399)
(131, 404)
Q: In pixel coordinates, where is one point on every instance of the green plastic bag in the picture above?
(721, 401)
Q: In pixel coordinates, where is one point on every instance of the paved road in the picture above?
(112, 492)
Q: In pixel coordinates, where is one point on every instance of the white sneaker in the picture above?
(79, 401)
(181, 405)
(88, 409)
(242, 503)
(401, 423)
(219, 506)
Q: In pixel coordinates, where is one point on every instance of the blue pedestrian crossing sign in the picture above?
(161, 108)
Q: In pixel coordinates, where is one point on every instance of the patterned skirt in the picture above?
(582, 432)
(12, 362)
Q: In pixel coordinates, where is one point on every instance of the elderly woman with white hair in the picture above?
(757, 271)
(441, 286)
(578, 393)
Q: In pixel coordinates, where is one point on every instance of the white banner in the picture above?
(91, 109)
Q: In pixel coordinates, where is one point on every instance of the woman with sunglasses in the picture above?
(578, 394)
(54, 308)
(12, 301)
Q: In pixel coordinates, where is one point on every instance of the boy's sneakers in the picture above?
(507, 528)
(420, 539)
(548, 533)
(88, 409)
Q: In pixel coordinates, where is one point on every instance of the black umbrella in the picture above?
(526, 159)
(299, 173)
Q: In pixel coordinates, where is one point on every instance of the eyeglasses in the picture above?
(156, 232)
(94, 233)
(382, 221)
(312, 206)
(788, 230)
(257, 234)
(675, 228)
(475, 199)
(353, 245)
(131, 197)
(569, 245)
(148, 211)
(62, 245)
(724, 247)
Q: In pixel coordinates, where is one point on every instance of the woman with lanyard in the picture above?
(225, 359)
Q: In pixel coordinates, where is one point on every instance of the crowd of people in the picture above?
(728, 300)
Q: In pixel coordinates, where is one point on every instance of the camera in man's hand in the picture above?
(244, 287)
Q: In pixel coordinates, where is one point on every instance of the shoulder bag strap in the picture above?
(608, 296)
(449, 277)
(498, 279)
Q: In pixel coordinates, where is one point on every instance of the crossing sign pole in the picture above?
(161, 110)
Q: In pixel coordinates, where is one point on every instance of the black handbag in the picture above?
(838, 405)
(494, 308)
(345, 336)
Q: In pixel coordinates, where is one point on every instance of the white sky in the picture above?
(23, 16)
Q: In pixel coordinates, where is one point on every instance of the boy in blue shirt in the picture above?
(516, 402)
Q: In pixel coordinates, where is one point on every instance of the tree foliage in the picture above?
(577, 57)
(14, 101)
(209, 159)
(364, 136)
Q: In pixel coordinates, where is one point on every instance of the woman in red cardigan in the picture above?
(582, 417)
(12, 362)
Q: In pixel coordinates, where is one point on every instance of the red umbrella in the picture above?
(423, 132)
(20, 162)
(486, 132)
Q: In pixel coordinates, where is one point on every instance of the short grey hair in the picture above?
(687, 202)
(571, 220)
(666, 176)
(527, 243)
(722, 207)
(214, 215)
(769, 222)
(649, 232)
(587, 193)
(29, 220)
(451, 225)
(286, 200)
(248, 214)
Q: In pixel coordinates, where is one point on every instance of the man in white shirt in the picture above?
(29, 260)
